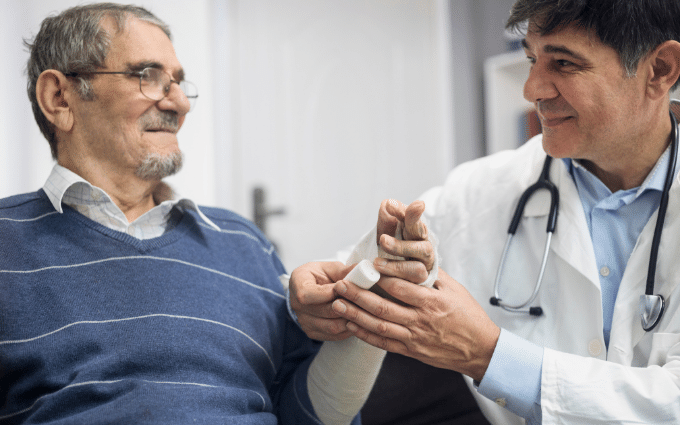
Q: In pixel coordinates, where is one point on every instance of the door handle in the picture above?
(261, 211)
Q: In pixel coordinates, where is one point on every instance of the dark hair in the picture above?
(631, 27)
(74, 41)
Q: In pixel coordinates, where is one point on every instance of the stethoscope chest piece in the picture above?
(651, 310)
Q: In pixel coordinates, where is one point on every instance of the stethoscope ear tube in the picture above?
(652, 306)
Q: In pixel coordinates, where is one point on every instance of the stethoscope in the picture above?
(651, 306)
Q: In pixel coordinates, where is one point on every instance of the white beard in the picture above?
(157, 167)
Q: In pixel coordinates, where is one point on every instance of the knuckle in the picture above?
(398, 291)
(427, 252)
(301, 298)
(334, 328)
(382, 309)
(382, 329)
(420, 273)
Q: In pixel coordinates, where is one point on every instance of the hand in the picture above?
(442, 326)
(311, 295)
(415, 247)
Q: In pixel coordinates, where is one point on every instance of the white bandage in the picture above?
(364, 275)
(342, 374)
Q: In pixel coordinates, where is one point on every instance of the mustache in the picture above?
(164, 121)
(554, 106)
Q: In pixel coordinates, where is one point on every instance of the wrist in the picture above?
(484, 353)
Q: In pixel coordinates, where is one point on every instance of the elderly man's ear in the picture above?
(54, 91)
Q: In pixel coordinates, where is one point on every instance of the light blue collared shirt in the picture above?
(64, 186)
(615, 221)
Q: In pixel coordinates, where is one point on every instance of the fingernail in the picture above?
(352, 327)
(386, 242)
(339, 306)
(340, 287)
(380, 262)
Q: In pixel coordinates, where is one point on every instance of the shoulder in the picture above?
(503, 168)
(233, 224)
(25, 206)
(241, 239)
(486, 186)
(229, 220)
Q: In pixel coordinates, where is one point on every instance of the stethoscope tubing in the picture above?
(651, 306)
(542, 183)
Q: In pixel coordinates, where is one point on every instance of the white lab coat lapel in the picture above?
(627, 331)
(571, 240)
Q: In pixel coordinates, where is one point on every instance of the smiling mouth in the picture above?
(161, 130)
(554, 122)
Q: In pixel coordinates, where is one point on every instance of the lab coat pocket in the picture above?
(661, 345)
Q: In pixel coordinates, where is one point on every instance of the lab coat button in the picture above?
(595, 348)
(501, 402)
(604, 271)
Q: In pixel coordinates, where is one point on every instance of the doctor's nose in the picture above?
(539, 85)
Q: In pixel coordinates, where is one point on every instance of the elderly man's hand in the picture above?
(414, 247)
(311, 292)
(442, 326)
(311, 295)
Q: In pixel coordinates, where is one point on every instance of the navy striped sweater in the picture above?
(188, 328)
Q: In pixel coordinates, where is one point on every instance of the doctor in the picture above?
(600, 79)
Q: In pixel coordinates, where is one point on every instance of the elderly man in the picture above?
(118, 304)
(600, 342)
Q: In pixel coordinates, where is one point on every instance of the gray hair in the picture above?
(75, 42)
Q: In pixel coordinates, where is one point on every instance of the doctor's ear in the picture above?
(664, 66)
(53, 92)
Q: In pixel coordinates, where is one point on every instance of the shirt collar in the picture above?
(654, 181)
(62, 181)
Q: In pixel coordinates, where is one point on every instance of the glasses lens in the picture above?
(154, 83)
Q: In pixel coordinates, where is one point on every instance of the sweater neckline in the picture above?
(183, 226)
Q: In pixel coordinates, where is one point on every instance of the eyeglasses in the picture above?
(154, 83)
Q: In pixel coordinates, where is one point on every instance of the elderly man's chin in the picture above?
(157, 167)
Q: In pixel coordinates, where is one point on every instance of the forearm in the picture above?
(341, 377)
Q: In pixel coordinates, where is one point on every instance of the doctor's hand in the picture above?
(414, 246)
(442, 326)
(311, 295)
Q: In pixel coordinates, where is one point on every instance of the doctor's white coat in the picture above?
(638, 379)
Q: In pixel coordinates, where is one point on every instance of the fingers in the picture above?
(414, 228)
(412, 271)
(311, 295)
(366, 306)
(390, 214)
(315, 302)
(324, 329)
(406, 292)
(395, 208)
(422, 251)
(309, 283)
(375, 340)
